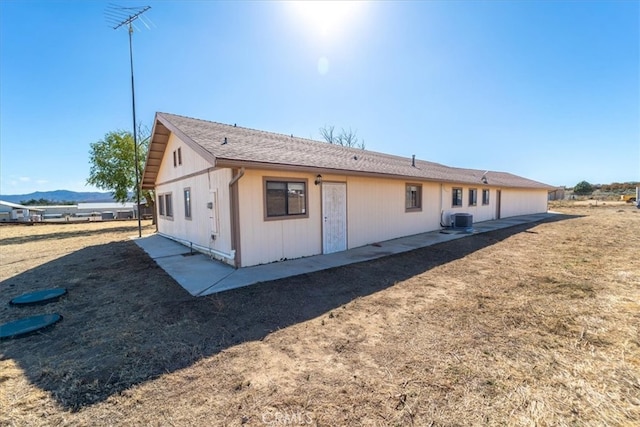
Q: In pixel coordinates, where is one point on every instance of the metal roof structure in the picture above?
(107, 205)
(17, 206)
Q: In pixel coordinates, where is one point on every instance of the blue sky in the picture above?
(547, 90)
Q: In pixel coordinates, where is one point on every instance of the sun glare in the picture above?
(325, 18)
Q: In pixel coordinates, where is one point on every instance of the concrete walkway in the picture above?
(200, 275)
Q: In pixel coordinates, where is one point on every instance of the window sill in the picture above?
(286, 217)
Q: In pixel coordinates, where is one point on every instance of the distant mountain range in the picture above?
(59, 196)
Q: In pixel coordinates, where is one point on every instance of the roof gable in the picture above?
(230, 145)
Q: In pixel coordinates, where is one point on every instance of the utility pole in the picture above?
(119, 17)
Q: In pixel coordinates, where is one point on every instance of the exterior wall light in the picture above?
(318, 180)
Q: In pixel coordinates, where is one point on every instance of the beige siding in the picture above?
(203, 183)
(514, 202)
(376, 210)
(192, 162)
(480, 212)
(263, 241)
(522, 202)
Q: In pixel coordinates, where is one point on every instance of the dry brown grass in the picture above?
(533, 325)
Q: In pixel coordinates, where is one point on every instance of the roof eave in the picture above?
(233, 163)
(160, 135)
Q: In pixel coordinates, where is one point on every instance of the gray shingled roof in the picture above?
(249, 147)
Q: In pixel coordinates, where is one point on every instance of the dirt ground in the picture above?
(533, 325)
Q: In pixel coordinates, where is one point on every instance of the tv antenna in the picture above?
(117, 17)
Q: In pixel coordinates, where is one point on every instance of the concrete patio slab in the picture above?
(201, 275)
(196, 272)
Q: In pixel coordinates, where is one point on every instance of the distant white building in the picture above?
(57, 211)
(107, 210)
(13, 212)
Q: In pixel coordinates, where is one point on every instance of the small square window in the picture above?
(473, 197)
(485, 197)
(413, 197)
(456, 199)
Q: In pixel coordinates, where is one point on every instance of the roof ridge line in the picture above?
(303, 139)
(257, 130)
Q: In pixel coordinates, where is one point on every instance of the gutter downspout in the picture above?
(237, 177)
(441, 206)
(234, 207)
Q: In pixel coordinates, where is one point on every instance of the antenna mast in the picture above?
(119, 16)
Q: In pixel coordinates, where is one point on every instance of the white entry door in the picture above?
(334, 217)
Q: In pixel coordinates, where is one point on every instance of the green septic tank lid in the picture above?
(27, 325)
(39, 297)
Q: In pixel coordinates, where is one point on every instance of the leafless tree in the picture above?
(345, 138)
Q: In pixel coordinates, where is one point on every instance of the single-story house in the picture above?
(15, 212)
(250, 197)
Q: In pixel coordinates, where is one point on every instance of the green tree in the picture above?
(583, 188)
(113, 165)
(35, 202)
